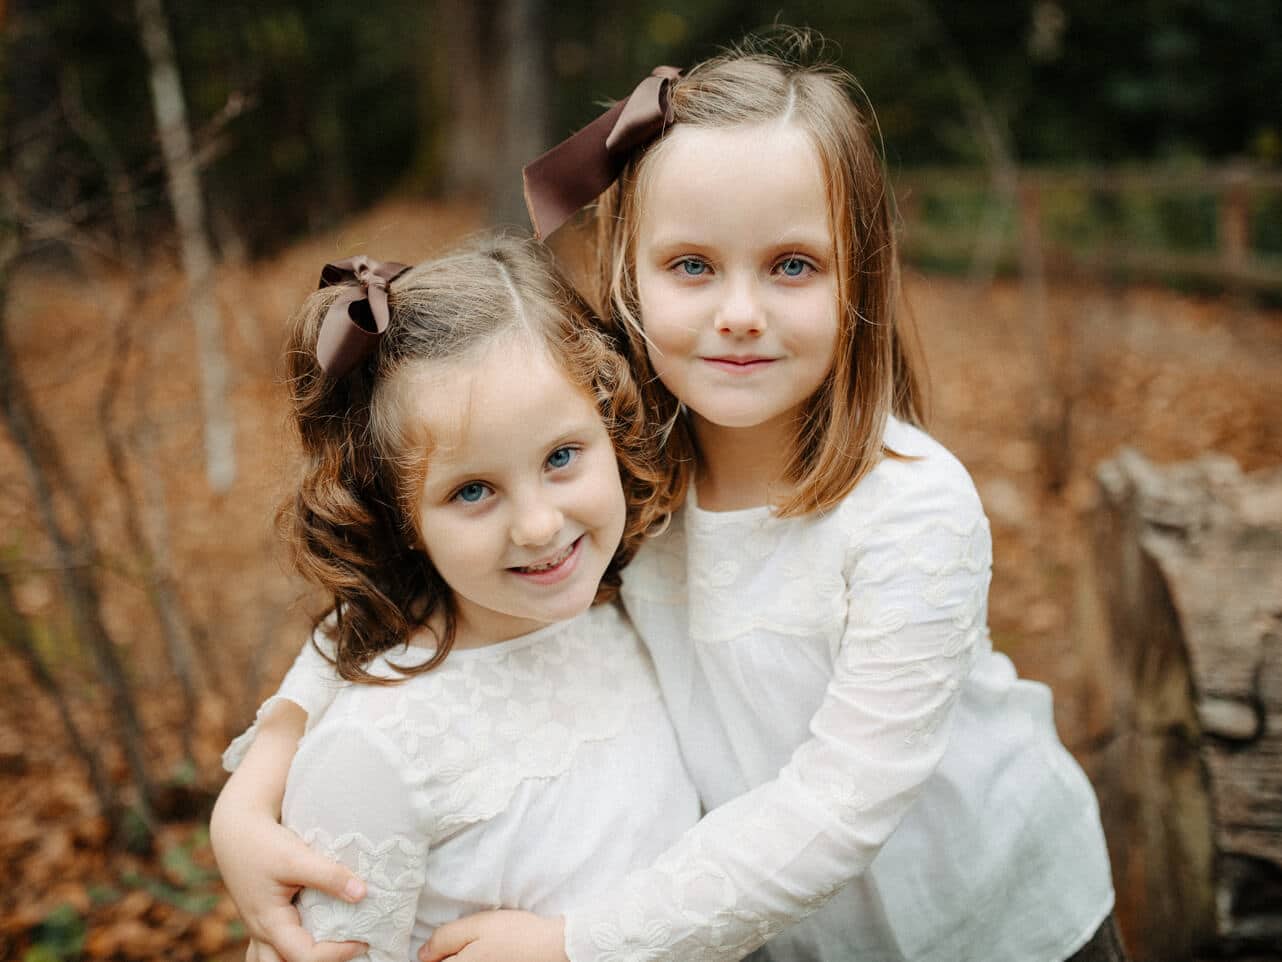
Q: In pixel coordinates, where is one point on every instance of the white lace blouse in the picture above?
(870, 765)
(529, 774)
(866, 756)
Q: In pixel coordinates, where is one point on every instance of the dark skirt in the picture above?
(1105, 945)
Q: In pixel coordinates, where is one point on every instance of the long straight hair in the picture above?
(876, 363)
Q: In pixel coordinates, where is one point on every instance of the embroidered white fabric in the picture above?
(866, 756)
(882, 786)
(528, 774)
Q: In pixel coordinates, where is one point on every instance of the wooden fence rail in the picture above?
(1233, 263)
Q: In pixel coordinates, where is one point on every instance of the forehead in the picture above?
(495, 402)
(759, 176)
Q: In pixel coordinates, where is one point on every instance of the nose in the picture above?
(741, 312)
(536, 520)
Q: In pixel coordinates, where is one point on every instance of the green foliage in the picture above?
(104, 894)
(181, 865)
(136, 834)
(196, 901)
(339, 111)
(949, 212)
(184, 773)
(332, 120)
(60, 936)
(1082, 219)
(1266, 225)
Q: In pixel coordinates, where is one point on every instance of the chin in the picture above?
(571, 606)
(736, 418)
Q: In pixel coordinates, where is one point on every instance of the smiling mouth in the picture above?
(551, 564)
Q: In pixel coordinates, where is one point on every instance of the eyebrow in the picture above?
(801, 238)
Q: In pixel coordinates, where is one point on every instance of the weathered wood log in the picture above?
(1188, 568)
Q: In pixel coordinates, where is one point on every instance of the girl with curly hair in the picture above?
(477, 472)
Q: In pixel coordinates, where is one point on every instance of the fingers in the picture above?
(293, 943)
(336, 951)
(449, 939)
(310, 870)
(298, 946)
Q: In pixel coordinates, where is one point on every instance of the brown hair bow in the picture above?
(579, 168)
(358, 317)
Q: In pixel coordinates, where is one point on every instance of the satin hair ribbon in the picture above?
(578, 169)
(358, 317)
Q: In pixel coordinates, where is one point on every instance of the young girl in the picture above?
(498, 741)
(879, 783)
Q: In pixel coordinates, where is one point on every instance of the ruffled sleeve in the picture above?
(346, 799)
(917, 574)
(310, 683)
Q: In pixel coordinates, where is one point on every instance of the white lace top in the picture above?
(866, 755)
(530, 774)
(870, 764)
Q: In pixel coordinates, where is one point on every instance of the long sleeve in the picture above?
(916, 579)
(346, 798)
(310, 683)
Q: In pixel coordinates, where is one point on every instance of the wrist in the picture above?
(556, 939)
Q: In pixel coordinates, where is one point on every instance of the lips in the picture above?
(740, 364)
(554, 568)
(552, 562)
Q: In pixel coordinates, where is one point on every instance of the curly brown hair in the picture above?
(351, 525)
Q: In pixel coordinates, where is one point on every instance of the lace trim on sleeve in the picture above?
(393, 870)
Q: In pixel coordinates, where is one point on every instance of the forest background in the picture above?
(1091, 204)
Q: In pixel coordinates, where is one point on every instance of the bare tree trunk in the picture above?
(990, 132)
(189, 214)
(156, 571)
(1051, 419)
(469, 92)
(524, 105)
(1053, 409)
(150, 548)
(17, 632)
(1188, 572)
(75, 555)
(493, 83)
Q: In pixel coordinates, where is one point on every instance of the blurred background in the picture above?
(1090, 197)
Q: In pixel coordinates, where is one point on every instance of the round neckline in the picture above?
(765, 512)
(735, 515)
(411, 655)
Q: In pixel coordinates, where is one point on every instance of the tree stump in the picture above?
(1187, 564)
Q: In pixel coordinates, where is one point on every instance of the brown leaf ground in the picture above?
(1174, 376)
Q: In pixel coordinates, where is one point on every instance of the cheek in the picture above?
(664, 312)
(455, 549)
(671, 337)
(821, 333)
(603, 493)
(826, 342)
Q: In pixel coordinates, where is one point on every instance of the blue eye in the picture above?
(561, 457)
(792, 266)
(470, 493)
(692, 267)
